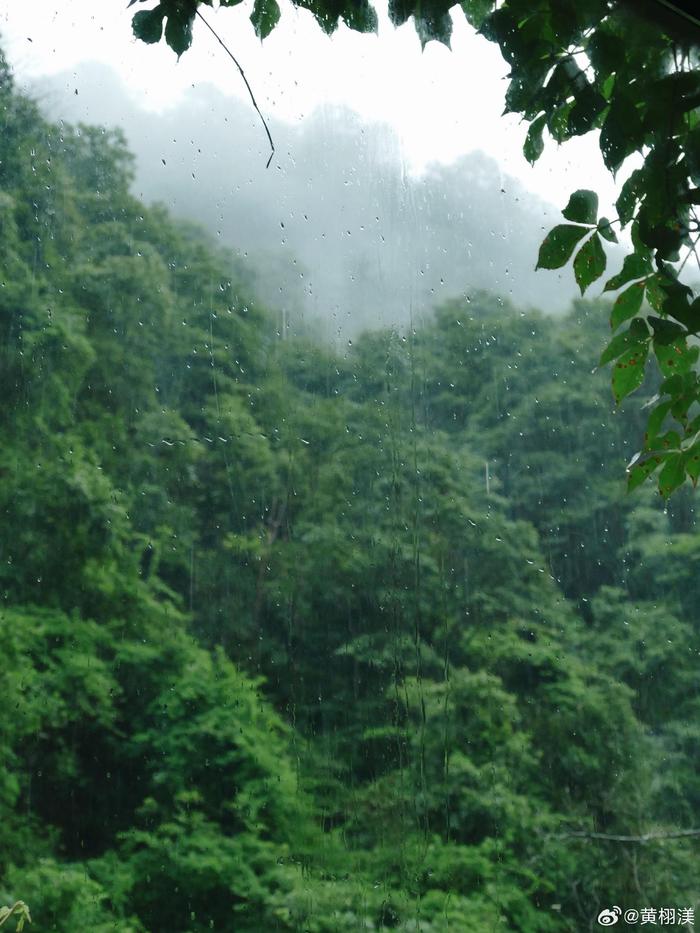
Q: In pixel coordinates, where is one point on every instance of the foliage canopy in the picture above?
(577, 66)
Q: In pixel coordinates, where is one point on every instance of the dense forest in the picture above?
(306, 638)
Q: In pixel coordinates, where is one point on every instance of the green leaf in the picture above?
(654, 424)
(682, 403)
(590, 262)
(638, 471)
(606, 51)
(564, 83)
(558, 245)
(524, 95)
(265, 16)
(631, 194)
(178, 31)
(431, 20)
(636, 335)
(476, 11)
(664, 238)
(628, 372)
(635, 266)
(147, 25)
(582, 207)
(671, 440)
(433, 28)
(692, 463)
(534, 144)
(622, 132)
(672, 475)
(674, 385)
(608, 86)
(665, 331)
(558, 122)
(627, 304)
(606, 231)
(677, 302)
(655, 294)
(362, 17)
(676, 357)
(669, 97)
(587, 108)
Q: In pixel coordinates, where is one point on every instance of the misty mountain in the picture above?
(336, 228)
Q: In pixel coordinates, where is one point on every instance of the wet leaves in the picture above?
(590, 262)
(559, 244)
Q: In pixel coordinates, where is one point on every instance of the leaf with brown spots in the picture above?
(628, 372)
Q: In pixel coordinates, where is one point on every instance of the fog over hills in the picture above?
(336, 228)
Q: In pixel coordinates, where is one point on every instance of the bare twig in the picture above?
(250, 90)
(611, 837)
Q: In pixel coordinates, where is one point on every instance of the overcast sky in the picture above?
(441, 103)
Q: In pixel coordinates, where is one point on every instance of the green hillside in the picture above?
(306, 639)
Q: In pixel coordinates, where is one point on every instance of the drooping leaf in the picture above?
(672, 475)
(362, 17)
(558, 122)
(588, 106)
(524, 95)
(589, 263)
(265, 16)
(534, 144)
(627, 304)
(147, 25)
(638, 471)
(628, 372)
(654, 423)
(558, 245)
(676, 357)
(630, 194)
(431, 21)
(636, 335)
(476, 11)
(582, 207)
(654, 293)
(634, 266)
(178, 30)
(622, 132)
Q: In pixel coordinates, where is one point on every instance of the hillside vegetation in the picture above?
(304, 640)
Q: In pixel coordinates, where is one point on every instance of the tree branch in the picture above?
(250, 90)
(612, 837)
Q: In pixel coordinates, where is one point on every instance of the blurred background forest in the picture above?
(322, 627)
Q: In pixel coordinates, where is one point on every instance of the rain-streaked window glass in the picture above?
(324, 604)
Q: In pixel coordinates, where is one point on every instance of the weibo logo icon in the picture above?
(609, 917)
